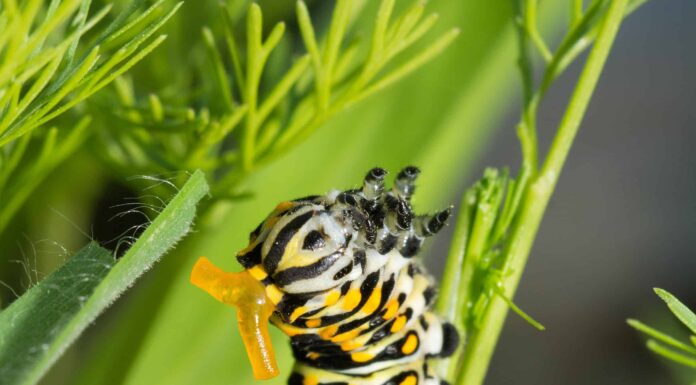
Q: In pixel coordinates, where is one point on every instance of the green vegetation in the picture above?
(665, 345)
(260, 102)
(499, 216)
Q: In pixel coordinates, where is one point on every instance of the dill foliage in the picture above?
(499, 216)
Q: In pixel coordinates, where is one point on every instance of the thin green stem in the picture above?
(671, 354)
(527, 130)
(455, 278)
(446, 305)
(480, 346)
(530, 24)
(253, 77)
(576, 11)
(339, 24)
(583, 92)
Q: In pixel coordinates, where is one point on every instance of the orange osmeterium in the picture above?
(247, 294)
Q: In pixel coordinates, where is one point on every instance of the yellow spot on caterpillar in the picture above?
(410, 345)
(310, 380)
(289, 330)
(313, 355)
(351, 300)
(361, 356)
(274, 294)
(410, 380)
(313, 323)
(328, 332)
(398, 324)
(297, 313)
(258, 272)
(392, 307)
(373, 302)
(349, 335)
(332, 298)
(350, 345)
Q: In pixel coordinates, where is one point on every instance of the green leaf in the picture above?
(671, 354)
(54, 91)
(33, 330)
(658, 335)
(37, 328)
(536, 324)
(686, 316)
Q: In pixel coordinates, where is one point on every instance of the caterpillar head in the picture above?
(317, 243)
(301, 247)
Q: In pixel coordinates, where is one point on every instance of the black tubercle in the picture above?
(411, 247)
(450, 340)
(438, 221)
(386, 244)
(373, 184)
(408, 173)
(400, 211)
(405, 182)
(376, 174)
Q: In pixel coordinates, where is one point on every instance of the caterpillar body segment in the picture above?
(340, 273)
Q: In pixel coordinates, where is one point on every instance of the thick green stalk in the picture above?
(482, 342)
(457, 274)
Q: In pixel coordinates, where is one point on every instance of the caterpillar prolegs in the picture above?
(337, 275)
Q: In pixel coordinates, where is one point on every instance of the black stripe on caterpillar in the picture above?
(340, 273)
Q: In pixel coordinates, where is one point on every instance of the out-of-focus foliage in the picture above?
(53, 55)
(257, 94)
(667, 346)
(179, 109)
(197, 86)
(500, 216)
(434, 119)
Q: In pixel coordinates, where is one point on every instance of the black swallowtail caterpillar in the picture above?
(336, 273)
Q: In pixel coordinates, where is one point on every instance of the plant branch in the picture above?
(482, 340)
(530, 25)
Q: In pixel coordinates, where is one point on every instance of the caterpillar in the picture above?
(336, 273)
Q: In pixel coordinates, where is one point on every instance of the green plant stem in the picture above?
(530, 18)
(253, 77)
(480, 346)
(576, 11)
(446, 305)
(450, 306)
(526, 129)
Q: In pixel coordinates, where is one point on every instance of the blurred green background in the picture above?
(621, 222)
